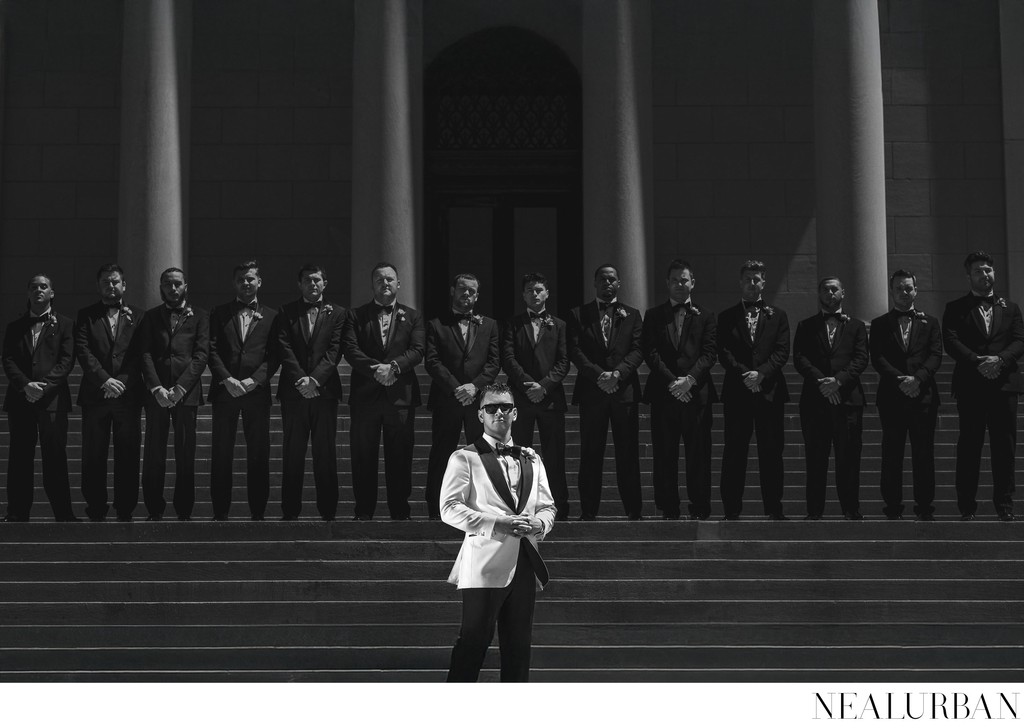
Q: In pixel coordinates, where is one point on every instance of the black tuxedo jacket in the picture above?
(178, 357)
(103, 356)
(767, 354)
(921, 357)
(230, 356)
(361, 341)
(544, 360)
(695, 355)
(452, 362)
(963, 333)
(845, 359)
(314, 355)
(50, 361)
(624, 352)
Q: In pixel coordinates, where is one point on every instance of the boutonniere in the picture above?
(547, 322)
(126, 314)
(401, 314)
(843, 317)
(694, 310)
(1001, 302)
(328, 309)
(477, 319)
(257, 315)
(51, 320)
(188, 312)
(620, 312)
(919, 315)
(768, 311)
(529, 453)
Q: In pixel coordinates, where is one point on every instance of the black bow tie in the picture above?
(685, 306)
(535, 315)
(990, 300)
(831, 316)
(602, 306)
(252, 305)
(180, 310)
(508, 450)
(39, 319)
(381, 308)
(315, 304)
(463, 316)
(758, 304)
(909, 313)
(113, 306)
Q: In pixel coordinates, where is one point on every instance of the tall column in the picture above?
(848, 139)
(155, 77)
(617, 144)
(387, 161)
(1011, 31)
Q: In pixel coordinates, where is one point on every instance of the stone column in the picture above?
(850, 156)
(155, 77)
(617, 145)
(387, 176)
(1011, 31)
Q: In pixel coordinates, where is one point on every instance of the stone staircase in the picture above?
(648, 601)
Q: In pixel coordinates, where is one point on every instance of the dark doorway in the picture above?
(503, 173)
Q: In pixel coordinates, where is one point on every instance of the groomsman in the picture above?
(309, 388)
(110, 395)
(753, 346)
(604, 338)
(384, 342)
(984, 334)
(830, 350)
(536, 360)
(38, 356)
(462, 356)
(242, 361)
(680, 343)
(906, 349)
(175, 342)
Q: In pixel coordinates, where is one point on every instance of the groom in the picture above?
(498, 494)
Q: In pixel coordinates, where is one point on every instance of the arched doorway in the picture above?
(502, 192)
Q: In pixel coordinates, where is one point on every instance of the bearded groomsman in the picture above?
(906, 350)
(753, 346)
(604, 338)
(309, 389)
(462, 356)
(384, 342)
(110, 395)
(38, 355)
(830, 350)
(680, 343)
(984, 334)
(175, 342)
(536, 360)
(242, 361)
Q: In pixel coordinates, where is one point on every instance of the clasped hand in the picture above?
(990, 366)
(384, 374)
(829, 388)
(607, 382)
(517, 525)
(308, 387)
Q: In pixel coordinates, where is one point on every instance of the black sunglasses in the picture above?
(493, 408)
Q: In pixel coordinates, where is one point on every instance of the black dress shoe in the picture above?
(256, 517)
(967, 517)
(15, 519)
(894, 517)
(670, 516)
(289, 518)
(1005, 516)
(219, 518)
(853, 516)
(562, 517)
(634, 517)
(699, 516)
(812, 517)
(68, 519)
(124, 519)
(97, 519)
(154, 517)
(587, 517)
(327, 519)
(731, 517)
(924, 517)
(359, 518)
(184, 518)
(777, 517)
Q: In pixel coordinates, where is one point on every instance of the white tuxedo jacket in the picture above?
(474, 493)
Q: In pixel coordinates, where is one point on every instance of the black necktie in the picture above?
(535, 315)
(508, 450)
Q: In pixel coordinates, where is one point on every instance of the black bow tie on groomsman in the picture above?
(513, 451)
(381, 308)
(39, 319)
(758, 304)
(116, 306)
(464, 316)
(688, 307)
(606, 307)
(319, 303)
(987, 302)
(252, 305)
(535, 315)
